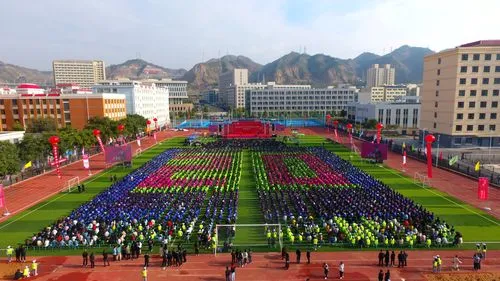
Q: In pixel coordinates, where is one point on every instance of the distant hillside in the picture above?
(14, 74)
(206, 74)
(140, 69)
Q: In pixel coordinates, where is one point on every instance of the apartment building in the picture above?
(32, 102)
(82, 72)
(228, 82)
(460, 94)
(385, 93)
(143, 98)
(380, 75)
(299, 99)
(177, 93)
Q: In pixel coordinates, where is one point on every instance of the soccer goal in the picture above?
(138, 151)
(247, 236)
(421, 179)
(72, 183)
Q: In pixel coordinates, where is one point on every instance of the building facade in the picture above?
(237, 94)
(380, 75)
(210, 96)
(228, 82)
(299, 99)
(460, 94)
(405, 115)
(386, 93)
(82, 72)
(12, 137)
(177, 93)
(65, 109)
(142, 98)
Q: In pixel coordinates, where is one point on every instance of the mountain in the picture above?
(206, 74)
(141, 69)
(14, 74)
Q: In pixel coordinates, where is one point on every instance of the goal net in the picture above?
(421, 179)
(248, 236)
(72, 183)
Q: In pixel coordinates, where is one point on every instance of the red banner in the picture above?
(482, 188)
(2, 197)
(56, 159)
(86, 162)
(100, 143)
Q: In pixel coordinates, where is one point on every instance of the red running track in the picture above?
(32, 191)
(359, 266)
(456, 185)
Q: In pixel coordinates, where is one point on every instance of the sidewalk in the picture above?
(32, 191)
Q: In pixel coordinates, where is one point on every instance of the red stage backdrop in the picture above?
(374, 150)
(116, 154)
(247, 129)
(482, 188)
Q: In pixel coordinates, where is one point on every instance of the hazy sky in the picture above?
(180, 33)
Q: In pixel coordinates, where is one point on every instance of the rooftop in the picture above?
(482, 43)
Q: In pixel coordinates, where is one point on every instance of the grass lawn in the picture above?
(21, 226)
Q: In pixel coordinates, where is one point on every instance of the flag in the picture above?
(404, 146)
(27, 165)
(453, 160)
(425, 150)
(83, 151)
(2, 197)
(86, 162)
(404, 158)
(361, 133)
(476, 168)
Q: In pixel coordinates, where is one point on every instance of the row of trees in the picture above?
(36, 148)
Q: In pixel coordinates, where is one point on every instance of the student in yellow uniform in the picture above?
(26, 272)
(144, 274)
(34, 268)
(9, 252)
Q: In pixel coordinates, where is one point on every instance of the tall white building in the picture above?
(228, 85)
(85, 73)
(177, 93)
(385, 93)
(380, 75)
(236, 95)
(405, 113)
(142, 98)
(299, 99)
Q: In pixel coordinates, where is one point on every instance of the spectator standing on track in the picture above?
(393, 258)
(233, 271)
(146, 260)
(9, 253)
(85, 257)
(405, 258)
(381, 275)
(341, 270)
(287, 261)
(18, 254)
(381, 258)
(439, 262)
(326, 270)
(434, 265)
(484, 250)
(400, 259)
(227, 273)
(144, 274)
(298, 253)
(23, 253)
(92, 260)
(387, 276)
(105, 258)
(308, 256)
(386, 258)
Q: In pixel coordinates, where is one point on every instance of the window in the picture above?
(462, 81)
(439, 72)
(470, 116)
(463, 69)
(475, 57)
(468, 140)
(493, 127)
(497, 68)
(437, 82)
(486, 68)
(495, 93)
(458, 140)
(437, 93)
(498, 56)
(487, 56)
(470, 127)
(493, 116)
(466, 57)
(494, 104)
(460, 104)
(482, 116)
(473, 93)
(435, 125)
(484, 93)
(461, 93)
(473, 81)
(472, 104)
(460, 116)
(486, 81)
(439, 60)
(435, 104)
(482, 104)
(496, 81)
(480, 127)
(435, 115)
(458, 127)
(475, 69)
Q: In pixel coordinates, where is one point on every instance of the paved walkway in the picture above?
(456, 185)
(32, 191)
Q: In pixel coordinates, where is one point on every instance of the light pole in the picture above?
(437, 151)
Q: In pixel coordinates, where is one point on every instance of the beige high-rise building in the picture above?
(85, 73)
(231, 79)
(460, 94)
(378, 76)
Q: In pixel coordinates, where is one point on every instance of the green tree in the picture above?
(134, 124)
(41, 125)
(17, 126)
(9, 160)
(107, 127)
(34, 147)
(370, 124)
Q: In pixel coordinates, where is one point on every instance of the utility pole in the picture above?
(437, 152)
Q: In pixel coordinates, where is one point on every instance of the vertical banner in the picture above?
(482, 188)
(2, 197)
(154, 136)
(86, 161)
(429, 139)
(138, 141)
(380, 126)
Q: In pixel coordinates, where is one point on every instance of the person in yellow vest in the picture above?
(439, 262)
(428, 242)
(9, 252)
(26, 272)
(144, 274)
(268, 235)
(315, 243)
(434, 265)
(34, 268)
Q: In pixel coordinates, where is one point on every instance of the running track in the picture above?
(458, 186)
(32, 191)
(359, 266)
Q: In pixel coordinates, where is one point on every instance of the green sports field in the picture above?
(474, 224)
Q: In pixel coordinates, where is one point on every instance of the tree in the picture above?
(134, 124)
(34, 147)
(41, 125)
(105, 125)
(17, 126)
(205, 109)
(370, 124)
(9, 160)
